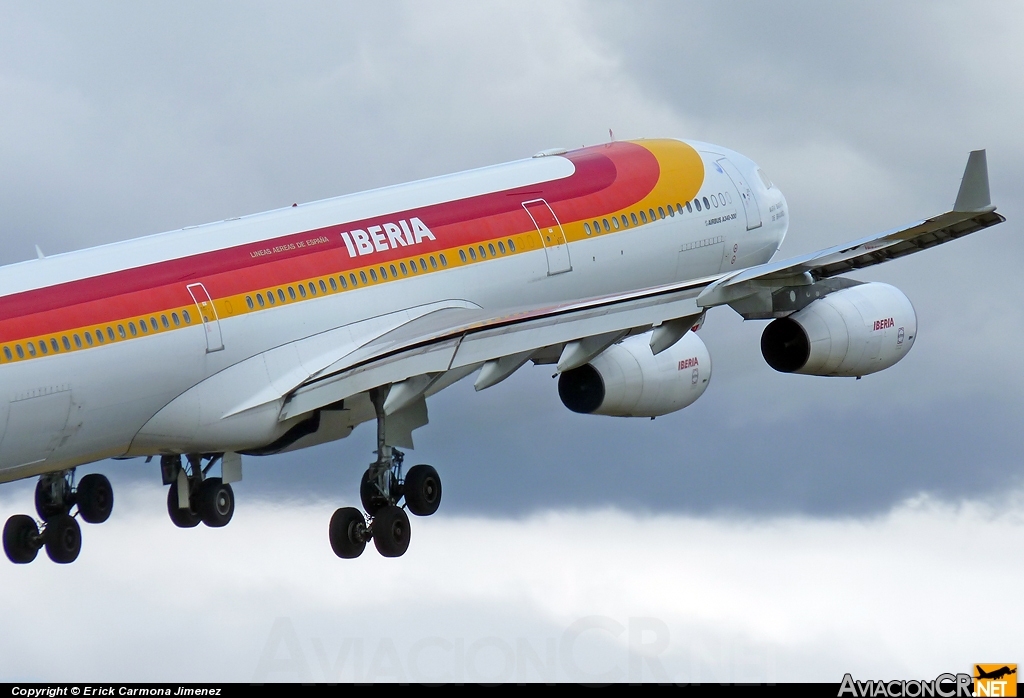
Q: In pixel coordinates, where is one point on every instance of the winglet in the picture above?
(974, 194)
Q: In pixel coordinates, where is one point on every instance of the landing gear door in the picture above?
(208, 313)
(745, 192)
(551, 234)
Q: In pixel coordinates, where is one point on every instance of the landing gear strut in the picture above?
(55, 497)
(381, 489)
(194, 497)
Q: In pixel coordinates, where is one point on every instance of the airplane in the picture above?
(286, 329)
(995, 674)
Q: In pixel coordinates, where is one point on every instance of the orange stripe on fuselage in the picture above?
(609, 179)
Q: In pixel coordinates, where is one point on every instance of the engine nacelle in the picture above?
(627, 380)
(852, 332)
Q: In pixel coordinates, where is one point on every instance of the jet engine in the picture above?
(853, 332)
(628, 380)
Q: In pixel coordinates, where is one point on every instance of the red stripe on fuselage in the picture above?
(607, 178)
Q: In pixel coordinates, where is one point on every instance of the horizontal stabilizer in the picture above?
(974, 194)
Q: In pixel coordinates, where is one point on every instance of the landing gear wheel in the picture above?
(63, 539)
(182, 518)
(46, 505)
(422, 490)
(95, 498)
(391, 531)
(216, 502)
(21, 539)
(373, 501)
(348, 532)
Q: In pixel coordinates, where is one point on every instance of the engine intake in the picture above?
(852, 332)
(627, 380)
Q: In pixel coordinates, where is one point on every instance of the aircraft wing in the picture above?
(973, 211)
(433, 351)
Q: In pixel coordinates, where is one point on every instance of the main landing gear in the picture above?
(59, 532)
(194, 497)
(380, 490)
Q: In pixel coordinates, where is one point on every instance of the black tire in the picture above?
(95, 498)
(391, 531)
(371, 498)
(348, 533)
(21, 539)
(45, 506)
(182, 518)
(63, 539)
(422, 490)
(216, 502)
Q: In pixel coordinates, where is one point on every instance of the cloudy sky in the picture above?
(781, 528)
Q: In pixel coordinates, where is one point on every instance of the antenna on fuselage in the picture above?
(39, 253)
(611, 136)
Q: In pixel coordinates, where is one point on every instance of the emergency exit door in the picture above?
(551, 234)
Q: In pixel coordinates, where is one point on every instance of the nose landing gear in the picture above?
(60, 533)
(380, 491)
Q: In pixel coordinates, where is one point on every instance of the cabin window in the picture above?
(706, 202)
(120, 332)
(671, 211)
(483, 253)
(643, 216)
(21, 352)
(7, 354)
(679, 208)
(490, 248)
(394, 272)
(42, 346)
(175, 320)
(597, 227)
(31, 348)
(511, 245)
(352, 278)
(423, 264)
(362, 277)
(728, 197)
(586, 227)
(270, 298)
(383, 273)
(88, 337)
(163, 321)
(144, 326)
(312, 288)
(248, 302)
(604, 221)
(632, 217)
(615, 223)
(186, 317)
(661, 212)
(54, 345)
(323, 286)
(373, 275)
(444, 260)
(625, 221)
(405, 271)
(696, 202)
(302, 291)
(334, 284)
(472, 254)
(78, 341)
(344, 283)
(131, 329)
(689, 209)
(433, 262)
(501, 247)
(462, 256)
(65, 341)
(259, 299)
